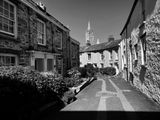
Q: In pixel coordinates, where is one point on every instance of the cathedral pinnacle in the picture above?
(89, 26)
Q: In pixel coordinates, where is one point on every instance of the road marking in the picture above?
(126, 105)
(103, 85)
(102, 104)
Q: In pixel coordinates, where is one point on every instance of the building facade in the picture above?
(30, 36)
(74, 53)
(140, 47)
(101, 55)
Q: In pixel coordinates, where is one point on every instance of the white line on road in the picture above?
(126, 105)
(102, 102)
(103, 85)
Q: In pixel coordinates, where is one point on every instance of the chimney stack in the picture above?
(110, 38)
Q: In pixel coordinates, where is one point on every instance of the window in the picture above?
(7, 17)
(49, 64)
(7, 60)
(39, 64)
(73, 51)
(143, 51)
(41, 32)
(102, 56)
(89, 56)
(143, 48)
(102, 65)
(58, 39)
(136, 52)
(60, 65)
(110, 55)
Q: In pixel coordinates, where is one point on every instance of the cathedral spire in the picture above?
(97, 41)
(89, 26)
(89, 35)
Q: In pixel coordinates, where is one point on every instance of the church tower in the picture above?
(89, 35)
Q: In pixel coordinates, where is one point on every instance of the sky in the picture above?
(107, 17)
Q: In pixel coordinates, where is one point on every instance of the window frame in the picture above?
(10, 55)
(110, 55)
(143, 49)
(14, 21)
(89, 56)
(39, 20)
(60, 65)
(49, 65)
(37, 65)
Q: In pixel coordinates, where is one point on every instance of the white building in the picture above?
(101, 54)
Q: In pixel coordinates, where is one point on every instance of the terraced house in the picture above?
(140, 47)
(102, 54)
(30, 36)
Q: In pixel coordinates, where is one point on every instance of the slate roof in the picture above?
(100, 47)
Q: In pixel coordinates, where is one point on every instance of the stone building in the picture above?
(101, 55)
(140, 47)
(30, 36)
(74, 53)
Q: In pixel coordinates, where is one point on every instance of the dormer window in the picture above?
(7, 17)
(41, 32)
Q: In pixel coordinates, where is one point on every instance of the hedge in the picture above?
(23, 89)
(108, 71)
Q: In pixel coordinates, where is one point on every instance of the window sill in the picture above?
(42, 44)
(9, 37)
(59, 48)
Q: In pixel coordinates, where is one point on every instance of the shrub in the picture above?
(68, 97)
(91, 71)
(22, 88)
(108, 71)
(83, 72)
(74, 73)
(72, 82)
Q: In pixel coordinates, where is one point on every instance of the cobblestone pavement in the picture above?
(109, 98)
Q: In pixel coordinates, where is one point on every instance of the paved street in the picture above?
(110, 95)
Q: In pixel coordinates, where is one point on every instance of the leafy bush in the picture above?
(72, 82)
(22, 88)
(91, 71)
(83, 72)
(74, 73)
(108, 71)
(68, 97)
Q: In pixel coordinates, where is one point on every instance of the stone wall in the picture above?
(26, 39)
(65, 52)
(147, 77)
(23, 26)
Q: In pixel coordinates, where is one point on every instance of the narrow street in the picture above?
(108, 94)
(109, 98)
